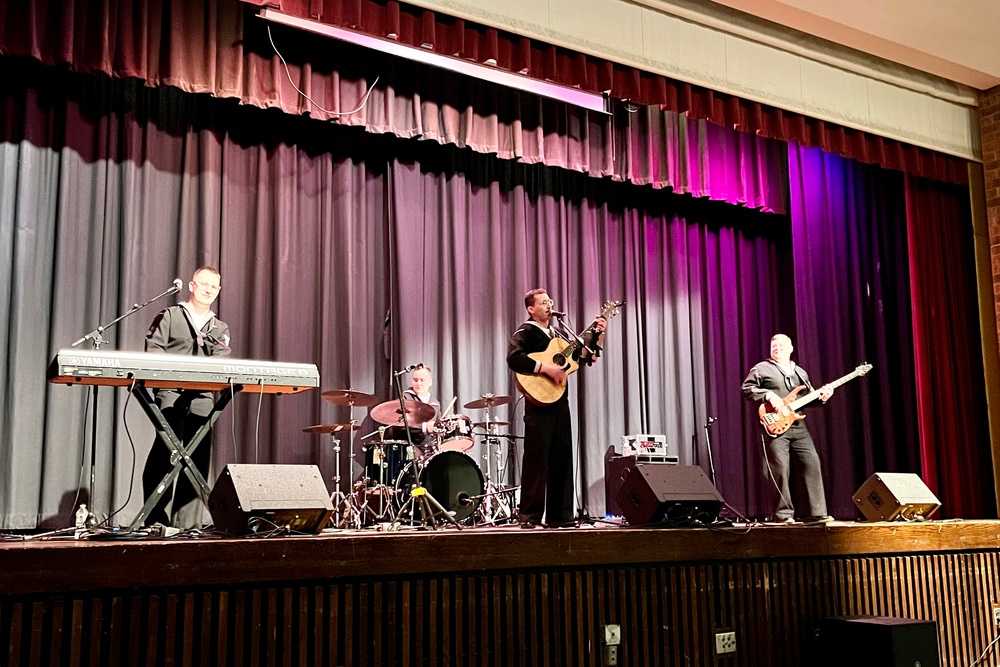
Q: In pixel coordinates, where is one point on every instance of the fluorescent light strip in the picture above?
(574, 96)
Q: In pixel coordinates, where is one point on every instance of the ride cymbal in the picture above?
(417, 413)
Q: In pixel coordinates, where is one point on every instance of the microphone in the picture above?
(711, 420)
(559, 313)
(178, 284)
(412, 367)
(463, 499)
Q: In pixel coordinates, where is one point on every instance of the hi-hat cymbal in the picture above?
(491, 424)
(488, 401)
(349, 397)
(417, 413)
(330, 428)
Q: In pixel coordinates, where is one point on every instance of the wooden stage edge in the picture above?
(47, 566)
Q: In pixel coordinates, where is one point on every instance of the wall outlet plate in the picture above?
(612, 635)
(725, 642)
(996, 615)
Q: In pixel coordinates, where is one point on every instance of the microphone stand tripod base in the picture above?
(429, 508)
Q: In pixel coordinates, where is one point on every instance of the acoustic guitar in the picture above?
(540, 389)
(776, 422)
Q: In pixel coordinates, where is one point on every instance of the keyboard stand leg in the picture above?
(180, 455)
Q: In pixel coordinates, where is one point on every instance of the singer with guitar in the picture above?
(191, 328)
(793, 450)
(547, 462)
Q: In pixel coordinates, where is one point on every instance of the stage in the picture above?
(492, 595)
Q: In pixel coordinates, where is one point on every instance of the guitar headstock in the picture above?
(610, 309)
(863, 369)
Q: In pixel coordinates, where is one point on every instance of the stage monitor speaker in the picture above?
(668, 494)
(616, 467)
(277, 496)
(873, 641)
(888, 496)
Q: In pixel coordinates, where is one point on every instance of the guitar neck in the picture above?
(814, 394)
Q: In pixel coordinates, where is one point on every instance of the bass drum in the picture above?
(452, 478)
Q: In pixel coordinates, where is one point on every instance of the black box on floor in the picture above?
(873, 641)
(659, 493)
(275, 496)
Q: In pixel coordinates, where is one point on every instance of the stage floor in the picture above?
(52, 564)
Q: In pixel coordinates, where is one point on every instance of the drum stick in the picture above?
(452, 403)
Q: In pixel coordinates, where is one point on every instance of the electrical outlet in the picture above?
(610, 656)
(612, 635)
(996, 615)
(725, 642)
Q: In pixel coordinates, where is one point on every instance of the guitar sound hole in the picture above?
(559, 360)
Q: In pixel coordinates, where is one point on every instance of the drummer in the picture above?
(420, 390)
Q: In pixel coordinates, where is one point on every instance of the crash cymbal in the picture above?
(416, 413)
(494, 423)
(349, 397)
(330, 428)
(488, 401)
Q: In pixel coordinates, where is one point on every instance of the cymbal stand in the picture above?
(494, 508)
(338, 498)
(379, 458)
(421, 500)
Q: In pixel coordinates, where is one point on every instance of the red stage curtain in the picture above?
(213, 47)
(955, 455)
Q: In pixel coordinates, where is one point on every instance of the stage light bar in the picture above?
(555, 91)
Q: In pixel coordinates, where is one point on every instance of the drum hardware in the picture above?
(344, 510)
(497, 505)
(338, 497)
(428, 507)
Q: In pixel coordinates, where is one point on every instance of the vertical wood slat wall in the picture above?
(668, 614)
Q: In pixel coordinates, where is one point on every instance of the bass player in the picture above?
(772, 380)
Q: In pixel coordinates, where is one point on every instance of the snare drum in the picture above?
(452, 478)
(457, 433)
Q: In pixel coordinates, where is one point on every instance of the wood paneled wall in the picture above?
(668, 613)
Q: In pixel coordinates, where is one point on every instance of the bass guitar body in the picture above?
(539, 389)
(776, 422)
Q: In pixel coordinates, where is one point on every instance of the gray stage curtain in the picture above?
(112, 189)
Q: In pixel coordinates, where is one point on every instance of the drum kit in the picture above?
(429, 475)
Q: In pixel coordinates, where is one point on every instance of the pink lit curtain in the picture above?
(222, 49)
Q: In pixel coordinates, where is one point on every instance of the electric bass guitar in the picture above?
(776, 422)
(540, 389)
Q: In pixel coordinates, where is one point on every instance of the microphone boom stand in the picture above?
(711, 467)
(97, 339)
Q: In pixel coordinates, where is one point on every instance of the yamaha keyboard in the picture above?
(176, 371)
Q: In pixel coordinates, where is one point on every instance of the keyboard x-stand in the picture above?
(142, 372)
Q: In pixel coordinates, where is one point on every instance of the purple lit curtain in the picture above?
(851, 295)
